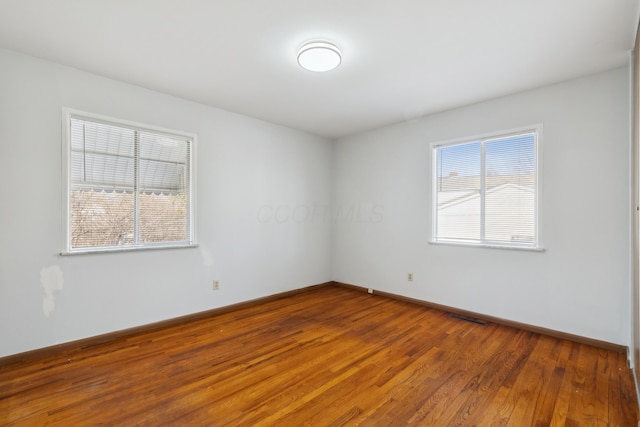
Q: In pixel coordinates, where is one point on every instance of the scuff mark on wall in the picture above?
(51, 279)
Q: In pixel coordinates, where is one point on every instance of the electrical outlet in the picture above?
(410, 277)
(216, 285)
(370, 291)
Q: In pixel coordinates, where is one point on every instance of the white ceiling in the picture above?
(401, 58)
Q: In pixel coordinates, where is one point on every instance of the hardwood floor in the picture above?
(331, 356)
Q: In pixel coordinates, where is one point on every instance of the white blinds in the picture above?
(106, 157)
(485, 191)
(128, 186)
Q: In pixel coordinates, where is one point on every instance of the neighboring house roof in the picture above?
(509, 214)
(468, 183)
(451, 198)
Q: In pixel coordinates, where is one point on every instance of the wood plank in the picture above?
(492, 319)
(329, 356)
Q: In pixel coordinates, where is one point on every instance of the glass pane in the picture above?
(458, 191)
(163, 163)
(510, 189)
(102, 156)
(164, 193)
(100, 218)
(163, 218)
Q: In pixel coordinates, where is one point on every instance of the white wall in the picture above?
(579, 285)
(265, 210)
(247, 170)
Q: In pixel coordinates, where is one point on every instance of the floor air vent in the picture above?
(468, 319)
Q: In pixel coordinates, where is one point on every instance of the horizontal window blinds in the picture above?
(128, 186)
(485, 191)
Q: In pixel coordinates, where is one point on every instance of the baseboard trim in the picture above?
(469, 314)
(125, 333)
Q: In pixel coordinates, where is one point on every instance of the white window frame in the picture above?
(67, 114)
(537, 244)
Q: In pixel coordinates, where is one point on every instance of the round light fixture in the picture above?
(319, 56)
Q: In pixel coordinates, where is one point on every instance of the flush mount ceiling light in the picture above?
(319, 56)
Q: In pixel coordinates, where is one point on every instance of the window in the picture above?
(486, 191)
(128, 186)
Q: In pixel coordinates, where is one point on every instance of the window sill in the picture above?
(115, 250)
(489, 246)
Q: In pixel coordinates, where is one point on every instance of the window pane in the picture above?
(163, 217)
(163, 163)
(163, 188)
(458, 191)
(100, 218)
(510, 189)
(102, 156)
